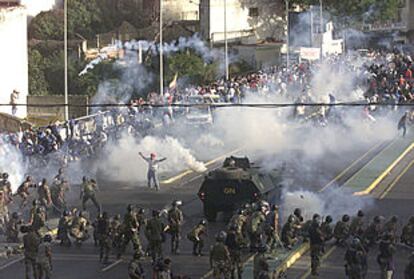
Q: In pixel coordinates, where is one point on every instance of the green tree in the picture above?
(37, 80)
(84, 18)
(47, 26)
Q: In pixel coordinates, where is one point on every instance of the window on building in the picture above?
(253, 11)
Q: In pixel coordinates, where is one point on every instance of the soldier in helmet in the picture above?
(356, 228)
(23, 190)
(289, 238)
(4, 211)
(31, 241)
(196, 235)
(220, 260)
(39, 219)
(234, 244)
(355, 260)
(239, 220)
(79, 228)
(33, 210)
(12, 228)
(391, 227)
(255, 227)
(135, 269)
(103, 232)
(64, 225)
(327, 229)
(409, 269)
(373, 232)
(131, 230)
(58, 192)
(44, 195)
(407, 236)
(272, 228)
(385, 257)
(116, 233)
(298, 221)
(259, 261)
(88, 192)
(154, 231)
(60, 177)
(44, 257)
(341, 230)
(175, 221)
(316, 239)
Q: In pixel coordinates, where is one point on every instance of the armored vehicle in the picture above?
(235, 183)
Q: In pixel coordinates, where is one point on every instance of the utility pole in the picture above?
(321, 24)
(66, 56)
(287, 32)
(226, 54)
(161, 54)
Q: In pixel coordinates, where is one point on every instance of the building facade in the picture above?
(13, 56)
(254, 19)
(173, 10)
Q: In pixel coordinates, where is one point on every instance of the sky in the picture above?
(34, 7)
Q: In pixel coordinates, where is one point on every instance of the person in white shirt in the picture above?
(153, 165)
(14, 96)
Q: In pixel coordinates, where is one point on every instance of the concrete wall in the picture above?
(180, 10)
(14, 57)
(12, 124)
(268, 23)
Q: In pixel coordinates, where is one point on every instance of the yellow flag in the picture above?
(173, 83)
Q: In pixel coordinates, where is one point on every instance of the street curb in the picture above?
(291, 259)
(386, 172)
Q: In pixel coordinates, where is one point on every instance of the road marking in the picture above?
(395, 181)
(111, 265)
(207, 164)
(324, 257)
(349, 167)
(384, 173)
(6, 265)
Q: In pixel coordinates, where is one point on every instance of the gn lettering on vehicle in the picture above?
(229, 191)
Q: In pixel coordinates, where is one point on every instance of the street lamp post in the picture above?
(287, 34)
(226, 55)
(65, 16)
(321, 24)
(161, 54)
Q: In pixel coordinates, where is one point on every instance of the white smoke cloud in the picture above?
(124, 164)
(12, 162)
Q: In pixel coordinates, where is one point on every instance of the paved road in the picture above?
(83, 262)
(394, 197)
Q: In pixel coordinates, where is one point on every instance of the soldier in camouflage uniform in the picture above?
(316, 239)
(4, 212)
(356, 228)
(154, 232)
(327, 230)
(341, 230)
(44, 257)
(220, 260)
(64, 225)
(175, 221)
(288, 236)
(23, 190)
(58, 192)
(196, 235)
(31, 241)
(12, 228)
(116, 231)
(239, 220)
(104, 239)
(255, 228)
(39, 219)
(5, 186)
(355, 260)
(373, 232)
(407, 235)
(297, 222)
(88, 192)
(130, 231)
(234, 244)
(385, 257)
(79, 228)
(391, 227)
(44, 195)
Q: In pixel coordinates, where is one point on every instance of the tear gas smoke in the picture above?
(11, 161)
(335, 201)
(124, 164)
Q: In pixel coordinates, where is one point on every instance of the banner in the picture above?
(310, 53)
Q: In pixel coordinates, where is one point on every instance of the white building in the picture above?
(34, 7)
(253, 19)
(13, 55)
(177, 10)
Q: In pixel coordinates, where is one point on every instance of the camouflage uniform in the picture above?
(341, 230)
(39, 219)
(65, 223)
(255, 228)
(355, 261)
(154, 232)
(288, 233)
(4, 211)
(196, 235)
(23, 190)
(130, 232)
(233, 243)
(356, 228)
(175, 220)
(409, 269)
(220, 260)
(31, 241)
(407, 236)
(79, 228)
(103, 232)
(316, 243)
(373, 232)
(385, 258)
(43, 260)
(135, 270)
(89, 188)
(259, 261)
(12, 228)
(44, 195)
